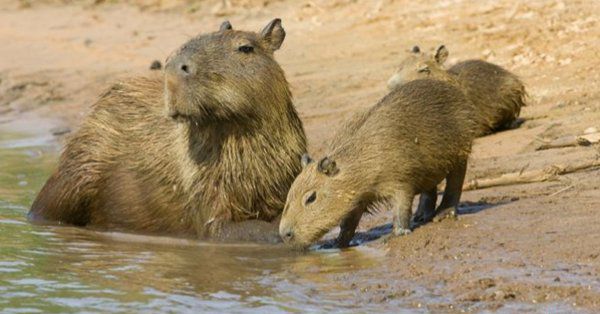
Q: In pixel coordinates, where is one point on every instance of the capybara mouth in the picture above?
(300, 247)
(306, 245)
(178, 116)
(171, 99)
(294, 244)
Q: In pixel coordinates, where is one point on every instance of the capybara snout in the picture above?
(180, 67)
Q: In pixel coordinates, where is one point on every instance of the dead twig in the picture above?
(549, 173)
(562, 190)
(570, 141)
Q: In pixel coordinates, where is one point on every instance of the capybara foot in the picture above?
(401, 231)
(421, 218)
(447, 213)
(341, 244)
(396, 233)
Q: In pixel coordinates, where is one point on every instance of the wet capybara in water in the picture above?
(497, 94)
(417, 135)
(210, 149)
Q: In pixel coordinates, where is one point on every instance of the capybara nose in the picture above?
(180, 67)
(184, 69)
(174, 114)
(287, 234)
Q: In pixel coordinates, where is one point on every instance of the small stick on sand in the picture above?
(570, 141)
(546, 174)
(562, 190)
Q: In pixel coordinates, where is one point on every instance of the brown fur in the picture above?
(405, 145)
(497, 94)
(224, 148)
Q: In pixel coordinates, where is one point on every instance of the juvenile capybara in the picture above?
(497, 93)
(417, 135)
(209, 149)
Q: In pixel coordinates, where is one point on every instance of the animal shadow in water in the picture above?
(375, 233)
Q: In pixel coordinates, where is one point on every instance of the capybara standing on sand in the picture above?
(411, 140)
(208, 150)
(497, 94)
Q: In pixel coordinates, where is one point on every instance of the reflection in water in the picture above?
(65, 269)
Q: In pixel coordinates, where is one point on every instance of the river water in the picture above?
(65, 269)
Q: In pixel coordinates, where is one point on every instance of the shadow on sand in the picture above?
(375, 233)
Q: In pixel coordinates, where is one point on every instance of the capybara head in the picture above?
(420, 65)
(318, 200)
(223, 75)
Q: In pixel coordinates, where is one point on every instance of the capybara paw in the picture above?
(341, 244)
(418, 217)
(401, 231)
(448, 213)
(396, 233)
(421, 218)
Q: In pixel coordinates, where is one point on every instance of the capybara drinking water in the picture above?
(497, 94)
(411, 140)
(210, 149)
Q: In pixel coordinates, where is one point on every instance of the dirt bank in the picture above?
(516, 247)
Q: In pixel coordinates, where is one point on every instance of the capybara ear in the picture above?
(225, 26)
(273, 34)
(441, 54)
(306, 160)
(328, 167)
(415, 49)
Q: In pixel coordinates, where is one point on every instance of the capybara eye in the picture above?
(246, 49)
(311, 198)
(424, 69)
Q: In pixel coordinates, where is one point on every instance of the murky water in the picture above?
(63, 269)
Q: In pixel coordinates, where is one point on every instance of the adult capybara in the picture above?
(497, 93)
(210, 149)
(411, 140)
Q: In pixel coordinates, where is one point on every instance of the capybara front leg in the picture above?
(402, 205)
(348, 228)
(453, 191)
(426, 210)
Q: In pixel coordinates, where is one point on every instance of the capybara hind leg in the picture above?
(426, 210)
(348, 228)
(453, 191)
(402, 205)
(61, 201)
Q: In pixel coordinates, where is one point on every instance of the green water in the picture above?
(47, 269)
